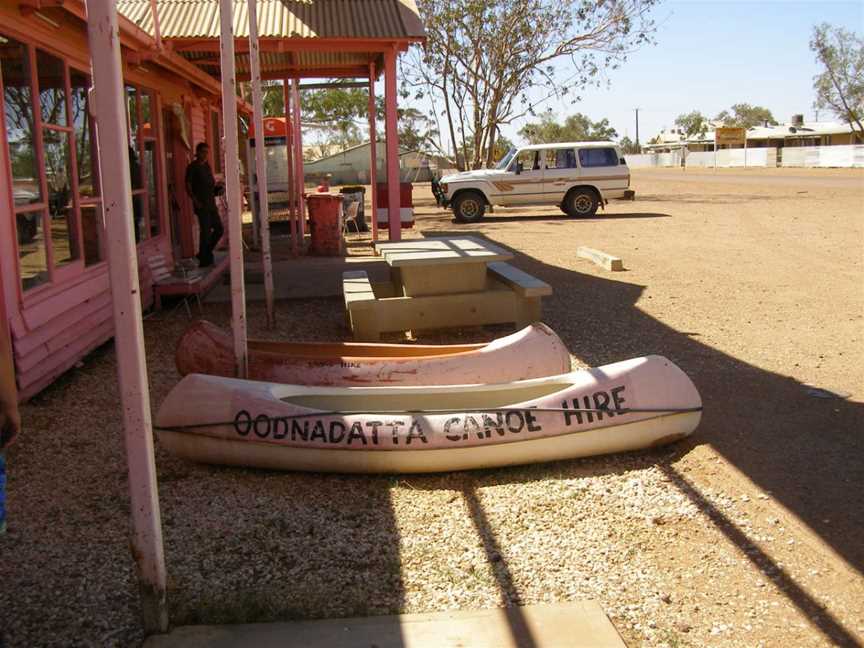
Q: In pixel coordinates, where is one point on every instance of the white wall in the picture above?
(753, 157)
(672, 159)
(847, 155)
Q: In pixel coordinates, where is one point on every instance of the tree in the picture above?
(840, 85)
(576, 128)
(694, 124)
(628, 146)
(416, 131)
(486, 62)
(744, 115)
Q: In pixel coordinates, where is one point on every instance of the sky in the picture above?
(710, 55)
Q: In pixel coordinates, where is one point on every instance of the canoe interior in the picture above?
(350, 350)
(446, 400)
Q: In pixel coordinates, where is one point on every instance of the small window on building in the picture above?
(85, 141)
(597, 157)
(52, 88)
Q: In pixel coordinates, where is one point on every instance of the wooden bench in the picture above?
(528, 287)
(510, 295)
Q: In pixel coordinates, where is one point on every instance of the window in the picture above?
(86, 152)
(144, 163)
(560, 159)
(598, 157)
(530, 161)
(216, 142)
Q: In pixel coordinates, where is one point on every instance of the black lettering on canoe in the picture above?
(356, 432)
(471, 425)
(531, 420)
(280, 427)
(617, 399)
(515, 421)
(569, 415)
(298, 430)
(373, 426)
(337, 431)
(452, 436)
(243, 423)
(496, 424)
(601, 402)
(416, 432)
(394, 427)
(587, 406)
(318, 432)
(262, 426)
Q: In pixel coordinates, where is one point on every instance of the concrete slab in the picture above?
(568, 625)
(305, 277)
(611, 263)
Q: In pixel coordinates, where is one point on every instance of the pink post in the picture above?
(392, 135)
(292, 184)
(298, 158)
(373, 163)
(147, 549)
(261, 160)
(232, 185)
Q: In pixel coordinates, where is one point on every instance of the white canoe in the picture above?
(648, 401)
(533, 352)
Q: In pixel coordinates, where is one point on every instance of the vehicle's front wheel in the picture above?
(581, 203)
(469, 206)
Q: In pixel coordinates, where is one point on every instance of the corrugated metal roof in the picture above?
(379, 19)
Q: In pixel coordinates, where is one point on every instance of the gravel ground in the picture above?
(747, 535)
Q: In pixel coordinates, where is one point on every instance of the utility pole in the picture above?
(638, 148)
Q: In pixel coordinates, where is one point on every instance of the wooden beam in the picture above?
(611, 263)
(391, 131)
(373, 161)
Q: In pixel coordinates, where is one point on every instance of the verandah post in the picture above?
(261, 160)
(110, 113)
(392, 135)
(292, 185)
(298, 158)
(232, 185)
(373, 163)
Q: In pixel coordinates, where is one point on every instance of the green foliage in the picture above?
(628, 146)
(486, 61)
(840, 85)
(744, 115)
(576, 128)
(694, 124)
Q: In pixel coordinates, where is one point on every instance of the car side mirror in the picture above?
(518, 168)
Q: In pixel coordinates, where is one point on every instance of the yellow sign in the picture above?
(730, 135)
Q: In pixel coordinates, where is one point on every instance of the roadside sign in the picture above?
(730, 135)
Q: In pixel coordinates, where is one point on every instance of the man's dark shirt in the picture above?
(200, 179)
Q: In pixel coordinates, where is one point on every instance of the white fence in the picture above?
(672, 159)
(738, 157)
(849, 155)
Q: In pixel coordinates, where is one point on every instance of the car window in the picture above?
(560, 159)
(530, 160)
(598, 157)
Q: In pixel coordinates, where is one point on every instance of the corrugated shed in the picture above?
(379, 19)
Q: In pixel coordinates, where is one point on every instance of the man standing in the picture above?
(202, 189)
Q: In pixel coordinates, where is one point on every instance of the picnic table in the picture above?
(441, 283)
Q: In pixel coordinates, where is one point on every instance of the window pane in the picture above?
(138, 216)
(85, 142)
(595, 157)
(52, 88)
(216, 146)
(91, 224)
(132, 109)
(33, 264)
(153, 199)
(144, 99)
(18, 105)
(61, 210)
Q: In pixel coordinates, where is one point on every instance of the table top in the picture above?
(440, 251)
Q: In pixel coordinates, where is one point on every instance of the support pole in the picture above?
(292, 184)
(232, 185)
(392, 135)
(110, 113)
(261, 160)
(373, 163)
(298, 160)
(253, 203)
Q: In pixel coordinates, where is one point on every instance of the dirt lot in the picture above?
(749, 534)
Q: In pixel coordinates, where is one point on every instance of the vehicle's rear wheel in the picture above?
(469, 206)
(581, 203)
